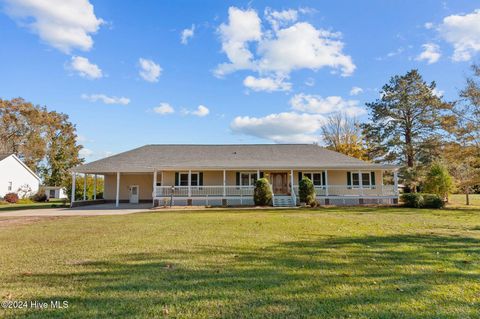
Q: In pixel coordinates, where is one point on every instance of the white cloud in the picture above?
(438, 93)
(201, 111)
(302, 46)
(287, 127)
(266, 84)
(163, 109)
(463, 32)
(316, 104)
(280, 50)
(356, 90)
(428, 25)
(149, 70)
(85, 152)
(431, 53)
(85, 68)
(63, 24)
(106, 99)
(187, 34)
(280, 18)
(242, 27)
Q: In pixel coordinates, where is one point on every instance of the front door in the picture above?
(134, 194)
(279, 183)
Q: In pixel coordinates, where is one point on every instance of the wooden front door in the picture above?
(280, 183)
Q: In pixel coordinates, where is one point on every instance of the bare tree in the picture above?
(343, 134)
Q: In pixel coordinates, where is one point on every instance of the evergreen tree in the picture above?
(405, 123)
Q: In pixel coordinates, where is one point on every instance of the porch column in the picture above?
(292, 191)
(258, 174)
(117, 199)
(189, 183)
(224, 183)
(74, 181)
(326, 183)
(154, 192)
(85, 186)
(360, 181)
(395, 182)
(161, 182)
(95, 187)
(381, 183)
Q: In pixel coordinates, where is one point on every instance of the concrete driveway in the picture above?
(93, 210)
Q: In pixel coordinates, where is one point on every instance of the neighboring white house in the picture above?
(54, 192)
(16, 177)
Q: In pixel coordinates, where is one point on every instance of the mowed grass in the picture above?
(28, 204)
(325, 263)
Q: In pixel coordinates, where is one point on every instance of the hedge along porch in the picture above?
(225, 175)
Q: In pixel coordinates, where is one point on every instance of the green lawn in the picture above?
(31, 205)
(326, 263)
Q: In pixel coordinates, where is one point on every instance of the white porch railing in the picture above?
(345, 190)
(204, 191)
(242, 191)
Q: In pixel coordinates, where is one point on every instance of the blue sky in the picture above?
(245, 72)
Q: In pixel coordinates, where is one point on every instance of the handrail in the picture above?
(244, 191)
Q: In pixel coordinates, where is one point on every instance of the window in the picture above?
(10, 185)
(183, 179)
(248, 179)
(367, 179)
(316, 178)
(52, 194)
(355, 179)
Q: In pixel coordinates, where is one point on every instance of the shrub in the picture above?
(413, 200)
(432, 201)
(418, 200)
(262, 194)
(40, 197)
(11, 198)
(438, 181)
(306, 191)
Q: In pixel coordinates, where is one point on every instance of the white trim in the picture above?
(117, 195)
(313, 172)
(85, 176)
(224, 183)
(249, 178)
(360, 180)
(74, 182)
(189, 173)
(240, 168)
(95, 187)
(326, 182)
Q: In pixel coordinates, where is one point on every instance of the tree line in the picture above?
(412, 126)
(46, 141)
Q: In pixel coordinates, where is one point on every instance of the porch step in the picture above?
(283, 201)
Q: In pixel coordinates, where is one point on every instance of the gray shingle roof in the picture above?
(211, 157)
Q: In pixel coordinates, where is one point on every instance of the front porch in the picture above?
(236, 187)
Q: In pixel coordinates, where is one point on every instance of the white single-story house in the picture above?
(16, 177)
(226, 174)
(55, 192)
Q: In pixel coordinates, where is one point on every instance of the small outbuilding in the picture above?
(55, 192)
